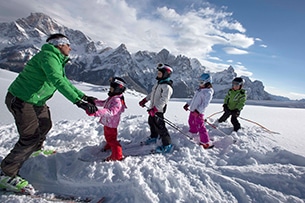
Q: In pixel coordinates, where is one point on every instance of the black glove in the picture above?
(89, 108)
(186, 107)
(235, 112)
(225, 107)
(89, 99)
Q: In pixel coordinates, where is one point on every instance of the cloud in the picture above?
(234, 51)
(258, 39)
(214, 58)
(191, 31)
(242, 70)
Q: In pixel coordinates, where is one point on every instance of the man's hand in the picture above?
(89, 108)
(89, 99)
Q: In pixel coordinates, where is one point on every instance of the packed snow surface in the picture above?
(262, 166)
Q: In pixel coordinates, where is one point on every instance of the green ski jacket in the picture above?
(236, 99)
(42, 76)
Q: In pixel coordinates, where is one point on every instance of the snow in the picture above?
(260, 167)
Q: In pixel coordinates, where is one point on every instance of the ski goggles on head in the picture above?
(59, 41)
(236, 83)
(114, 82)
(161, 66)
(119, 82)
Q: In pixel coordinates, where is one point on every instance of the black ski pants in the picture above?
(157, 127)
(234, 121)
(33, 123)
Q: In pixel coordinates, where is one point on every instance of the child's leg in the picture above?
(235, 122)
(192, 123)
(224, 116)
(163, 132)
(111, 138)
(203, 133)
(153, 127)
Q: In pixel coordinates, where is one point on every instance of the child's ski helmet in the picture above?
(205, 78)
(165, 69)
(118, 84)
(238, 81)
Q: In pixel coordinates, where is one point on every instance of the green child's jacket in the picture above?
(236, 99)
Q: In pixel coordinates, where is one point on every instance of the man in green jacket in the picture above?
(234, 102)
(26, 100)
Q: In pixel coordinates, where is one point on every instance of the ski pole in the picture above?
(213, 114)
(272, 132)
(213, 126)
(173, 125)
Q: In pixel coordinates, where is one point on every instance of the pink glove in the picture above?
(152, 112)
(143, 102)
(89, 114)
(186, 107)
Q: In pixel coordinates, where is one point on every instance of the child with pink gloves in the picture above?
(110, 116)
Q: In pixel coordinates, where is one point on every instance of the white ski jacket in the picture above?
(201, 100)
(159, 96)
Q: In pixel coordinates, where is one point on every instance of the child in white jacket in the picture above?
(197, 106)
(159, 97)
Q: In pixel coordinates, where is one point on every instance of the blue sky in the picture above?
(261, 39)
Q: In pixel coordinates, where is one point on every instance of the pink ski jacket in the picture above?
(111, 112)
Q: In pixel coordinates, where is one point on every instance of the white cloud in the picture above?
(214, 58)
(258, 39)
(241, 70)
(234, 51)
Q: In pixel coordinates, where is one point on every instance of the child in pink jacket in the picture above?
(110, 115)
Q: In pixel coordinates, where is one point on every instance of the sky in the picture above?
(260, 167)
(260, 39)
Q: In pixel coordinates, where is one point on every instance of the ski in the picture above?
(45, 152)
(51, 197)
(136, 150)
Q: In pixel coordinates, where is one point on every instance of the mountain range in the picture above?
(94, 62)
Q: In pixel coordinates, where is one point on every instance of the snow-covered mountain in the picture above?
(94, 62)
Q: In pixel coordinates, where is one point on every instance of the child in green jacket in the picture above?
(234, 102)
